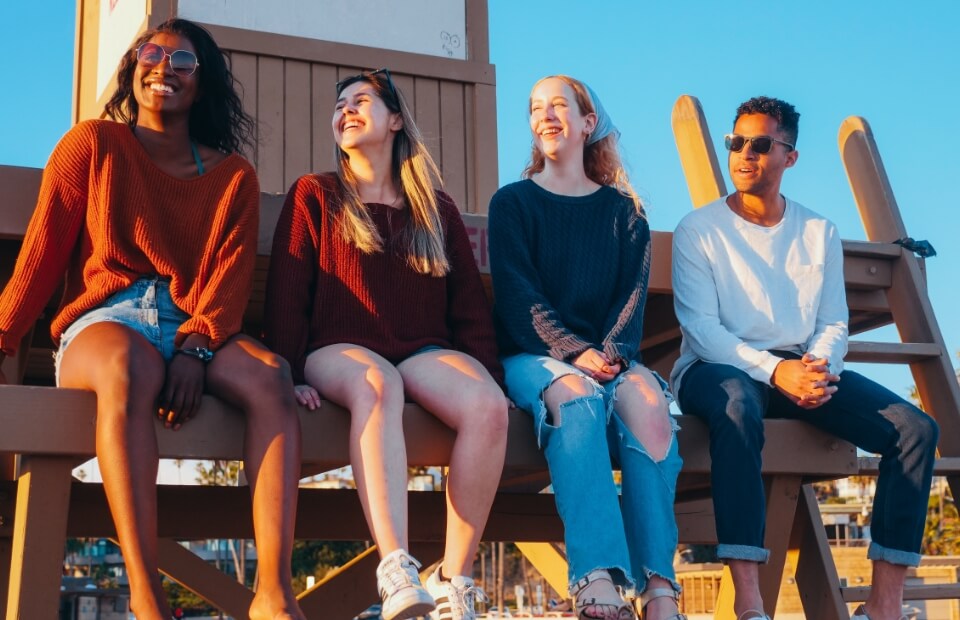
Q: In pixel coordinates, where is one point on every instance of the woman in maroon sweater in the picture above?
(374, 297)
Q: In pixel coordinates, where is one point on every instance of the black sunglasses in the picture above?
(760, 144)
(365, 76)
(183, 62)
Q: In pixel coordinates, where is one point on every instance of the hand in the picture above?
(597, 365)
(307, 396)
(180, 397)
(806, 382)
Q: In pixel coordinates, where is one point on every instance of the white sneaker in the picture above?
(455, 598)
(399, 585)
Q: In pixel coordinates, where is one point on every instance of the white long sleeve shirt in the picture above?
(742, 290)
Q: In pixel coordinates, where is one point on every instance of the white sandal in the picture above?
(759, 615)
(649, 595)
(621, 610)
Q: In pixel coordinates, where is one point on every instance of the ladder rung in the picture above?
(891, 352)
(940, 591)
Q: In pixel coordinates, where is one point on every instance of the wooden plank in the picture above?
(933, 592)
(944, 466)
(39, 536)
(405, 84)
(891, 352)
(323, 97)
(478, 27)
(270, 124)
(550, 561)
(867, 272)
(428, 114)
(297, 134)
(63, 420)
(482, 159)
(700, 165)
(6, 556)
(244, 69)
(782, 495)
(203, 579)
(453, 154)
(816, 574)
(21, 186)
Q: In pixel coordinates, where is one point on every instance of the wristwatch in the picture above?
(203, 354)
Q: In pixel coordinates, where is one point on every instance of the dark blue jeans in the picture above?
(861, 411)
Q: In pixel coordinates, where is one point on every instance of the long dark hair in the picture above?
(217, 118)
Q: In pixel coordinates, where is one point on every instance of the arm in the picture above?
(292, 279)
(219, 311)
(624, 325)
(526, 313)
(50, 238)
(469, 316)
(829, 339)
(696, 301)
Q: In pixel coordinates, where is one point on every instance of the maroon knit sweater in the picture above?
(322, 290)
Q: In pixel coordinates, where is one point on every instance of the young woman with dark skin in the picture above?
(153, 221)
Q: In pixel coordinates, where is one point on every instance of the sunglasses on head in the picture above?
(760, 144)
(182, 62)
(365, 76)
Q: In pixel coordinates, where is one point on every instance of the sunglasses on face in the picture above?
(182, 62)
(760, 144)
(366, 75)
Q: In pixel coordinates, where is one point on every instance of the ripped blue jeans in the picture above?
(634, 542)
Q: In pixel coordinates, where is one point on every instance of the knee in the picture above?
(490, 409)
(644, 395)
(921, 430)
(268, 379)
(566, 389)
(126, 377)
(739, 409)
(375, 390)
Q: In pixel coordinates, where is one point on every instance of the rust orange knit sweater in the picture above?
(106, 215)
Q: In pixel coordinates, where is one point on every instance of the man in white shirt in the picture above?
(759, 293)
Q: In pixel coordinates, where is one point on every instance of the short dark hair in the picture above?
(787, 117)
(217, 118)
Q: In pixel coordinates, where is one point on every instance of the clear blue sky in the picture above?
(895, 64)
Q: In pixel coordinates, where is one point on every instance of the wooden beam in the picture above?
(39, 537)
(816, 573)
(891, 352)
(944, 466)
(203, 579)
(782, 495)
(700, 165)
(929, 592)
(550, 561)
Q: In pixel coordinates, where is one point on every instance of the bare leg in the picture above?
(247, 375)
(461, 393)
(886, 592)
(746, 585)
(127, 373)
(371, 388)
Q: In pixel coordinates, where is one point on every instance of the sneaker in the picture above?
(455, 598)
(399, 585)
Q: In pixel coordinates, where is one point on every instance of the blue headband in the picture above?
(605, 125)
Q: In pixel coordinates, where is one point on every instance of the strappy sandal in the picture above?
(653, 593)
(581, 602)
(757, 615)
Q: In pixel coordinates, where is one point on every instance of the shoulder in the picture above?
(804, 214)
(89, 136)
(322, 185)
(518, 190)
(706, 217)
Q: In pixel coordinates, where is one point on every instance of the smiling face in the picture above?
(362, 119)
(559, 127)
(751, 172)
(158, 90)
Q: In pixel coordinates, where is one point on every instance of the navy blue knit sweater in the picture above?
(569, 273)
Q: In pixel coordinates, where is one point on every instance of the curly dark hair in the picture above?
(217, 118)
(788, 119)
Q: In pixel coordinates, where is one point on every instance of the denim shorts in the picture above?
(528, 376)
(145, 307)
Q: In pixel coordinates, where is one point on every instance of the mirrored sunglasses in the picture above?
(760, 144)
(182, 62)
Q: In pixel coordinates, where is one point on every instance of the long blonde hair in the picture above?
(414, 172)
(601, 160)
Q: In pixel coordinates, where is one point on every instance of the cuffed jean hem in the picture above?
(618, 574)
(743, 552)
(893, 556)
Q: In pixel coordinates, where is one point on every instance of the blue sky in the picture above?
(893, 63)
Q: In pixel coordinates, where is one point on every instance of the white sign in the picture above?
(434, 27)
(120, 23)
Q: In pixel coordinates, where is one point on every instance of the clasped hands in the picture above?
(597, 365)
(806, 381)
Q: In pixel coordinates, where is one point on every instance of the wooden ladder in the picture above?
(893, 292)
